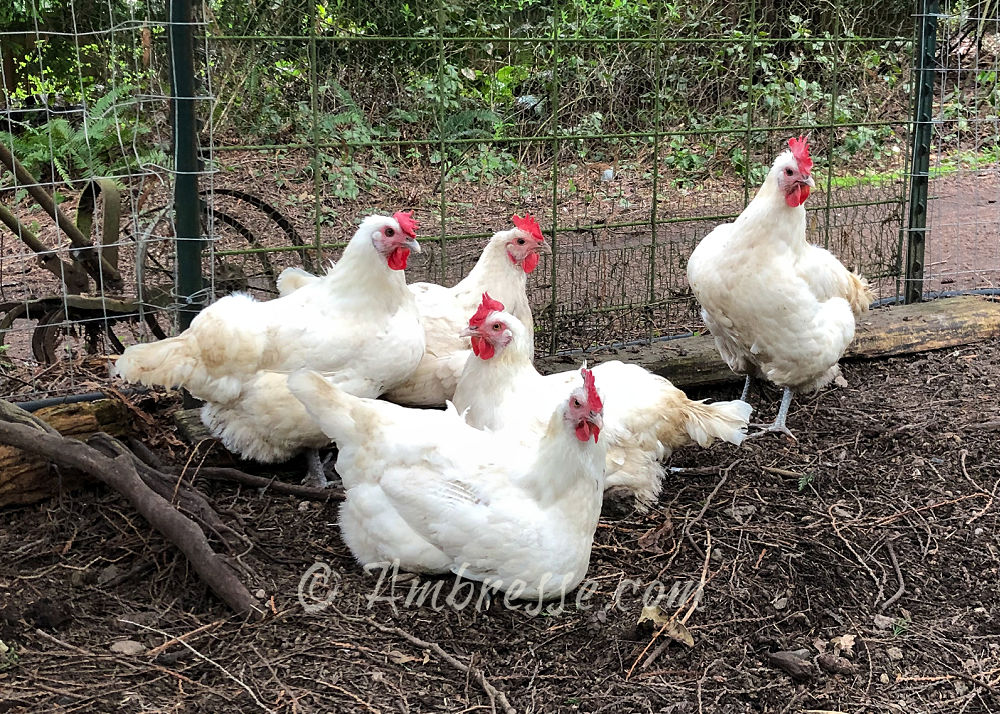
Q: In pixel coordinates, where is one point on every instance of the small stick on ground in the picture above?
(781, 472)
(180, 638)
(693, 598)
(310, 493)
(477, 674)
(899, 576)
(708, 502)
(211, 661)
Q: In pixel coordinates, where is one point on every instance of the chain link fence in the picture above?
(628, 129)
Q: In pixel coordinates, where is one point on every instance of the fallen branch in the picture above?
(120, 473)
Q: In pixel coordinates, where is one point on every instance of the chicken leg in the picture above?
(778, 425)
(746, 388)
(316, 475)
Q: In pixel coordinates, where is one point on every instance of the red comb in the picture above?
(593, 398)
(529, 224)
(800, 150)
(487, 306)
(406, 222)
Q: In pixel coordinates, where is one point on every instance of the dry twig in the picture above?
(477, 674)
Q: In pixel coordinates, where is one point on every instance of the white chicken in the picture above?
(502, 269)
(358, 324)
(778, 307)
(436, 495)
(645, 419)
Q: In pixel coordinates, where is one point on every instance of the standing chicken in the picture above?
(502, 269)
(645, 419)
(437, 495)
(358, 325)
(778, 307)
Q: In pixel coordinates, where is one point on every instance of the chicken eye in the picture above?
(788, 172)
(576, 403)
(497, 325)
(390, 232)
(520, 241)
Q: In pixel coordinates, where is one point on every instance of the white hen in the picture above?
(778, 307)
(358, 324)
(502, 269)
(646, 417)
(438, 496)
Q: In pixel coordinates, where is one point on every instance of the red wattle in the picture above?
(398, 257)
(482, 348)
(797, 196)
(530, 262)
(585, 430)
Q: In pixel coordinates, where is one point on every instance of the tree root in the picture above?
(150, 492)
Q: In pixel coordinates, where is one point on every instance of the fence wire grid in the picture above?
(629, 130)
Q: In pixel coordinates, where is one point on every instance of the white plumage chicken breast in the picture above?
(778, 308)
(427, 490)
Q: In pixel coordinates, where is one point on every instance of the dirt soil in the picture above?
(874, 537)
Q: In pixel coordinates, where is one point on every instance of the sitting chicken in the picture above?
(358, 324)
(646, 416)
(437, 495)
(502, 269)
(778, 307)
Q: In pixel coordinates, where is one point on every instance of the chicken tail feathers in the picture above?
(291, 279)
(329, 406)
(859, 294)
(169, 362)
(726, 421)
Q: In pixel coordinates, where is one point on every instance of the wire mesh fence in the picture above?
(82, 121)
(629, 129)
(963, 238)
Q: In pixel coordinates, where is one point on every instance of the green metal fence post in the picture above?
(185, 139)
(920, 153)
(554, 102)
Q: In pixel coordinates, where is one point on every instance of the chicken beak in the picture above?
(597, 419)
(543, 247)
(413, 245)
(809, 182)
(467, 332)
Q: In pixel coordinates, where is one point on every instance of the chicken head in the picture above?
(527, 243)
(395, 238)
(487, 328)
(585, 410)
(795, 177)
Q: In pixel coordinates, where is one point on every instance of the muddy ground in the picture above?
(873, 537)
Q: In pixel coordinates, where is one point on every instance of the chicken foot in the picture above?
(316, 475)
(778, 425)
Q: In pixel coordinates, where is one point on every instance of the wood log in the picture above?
(28, 478)
(886, 332)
